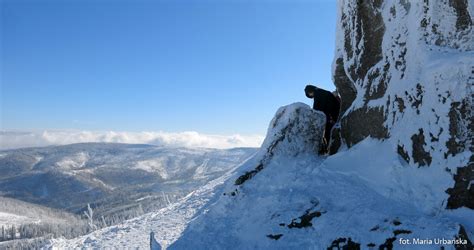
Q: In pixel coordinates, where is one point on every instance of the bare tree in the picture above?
(90, 217)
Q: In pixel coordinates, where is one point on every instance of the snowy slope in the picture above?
(166, 223)
(20, 220)
(300, 200)
(14, 219)
(15, 213)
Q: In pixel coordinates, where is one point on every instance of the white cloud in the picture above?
(21, 139)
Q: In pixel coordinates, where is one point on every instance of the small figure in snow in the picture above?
(329, 104)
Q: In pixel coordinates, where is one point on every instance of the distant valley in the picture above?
(119, 181)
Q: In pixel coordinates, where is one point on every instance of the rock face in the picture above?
(405, 72)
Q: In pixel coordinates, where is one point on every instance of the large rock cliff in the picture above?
(405, 72)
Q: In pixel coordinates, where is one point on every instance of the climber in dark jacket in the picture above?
(328, 103)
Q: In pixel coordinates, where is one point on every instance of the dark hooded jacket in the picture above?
(324, 101)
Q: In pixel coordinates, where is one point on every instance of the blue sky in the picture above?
(218, 67)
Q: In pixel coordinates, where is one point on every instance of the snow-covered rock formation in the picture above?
(284, 136)
(405, 72)
(363, 197)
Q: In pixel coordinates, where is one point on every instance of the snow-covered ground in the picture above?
(16, 213)
(366, 193)
(167, 224)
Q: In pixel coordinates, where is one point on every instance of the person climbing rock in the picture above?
(329, 104)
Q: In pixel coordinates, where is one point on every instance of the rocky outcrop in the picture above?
(296, 129)
(405, 73)
(463, 191)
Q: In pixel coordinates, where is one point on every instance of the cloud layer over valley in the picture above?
(21, 139)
